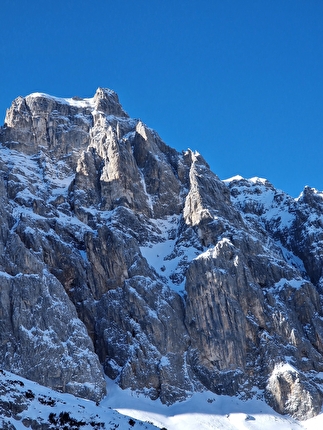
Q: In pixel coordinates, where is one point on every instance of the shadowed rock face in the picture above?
(117, 250)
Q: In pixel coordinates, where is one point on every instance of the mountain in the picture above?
(120, 253)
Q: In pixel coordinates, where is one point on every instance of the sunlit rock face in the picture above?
(118, 252)
(289, 393)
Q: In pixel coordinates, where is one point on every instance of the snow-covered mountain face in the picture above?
(26, 404)
(117, 250)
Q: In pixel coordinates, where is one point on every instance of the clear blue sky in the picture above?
(240, 81)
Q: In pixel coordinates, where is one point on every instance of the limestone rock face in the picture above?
(43, 339)
(290, 394)
(118, 251)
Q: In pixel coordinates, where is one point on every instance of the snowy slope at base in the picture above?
(43, 405)
(119, 409)
(204, 411)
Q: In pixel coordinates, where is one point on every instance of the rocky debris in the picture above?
(182, 281)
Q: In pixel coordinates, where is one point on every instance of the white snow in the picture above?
(294, 283)
(253, 180)
(283, 368)
(46, 401)
(74, 101)
(233, 178)
(204, 411)
(165, 255)
(214, 251)
(258, 195)
(291, 258)
(257, 180)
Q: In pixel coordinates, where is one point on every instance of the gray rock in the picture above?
(117, 246)
(289, 394)
(42, 338)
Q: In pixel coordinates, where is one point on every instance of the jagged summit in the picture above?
(104, 100)
(119, 251)
(40, 114)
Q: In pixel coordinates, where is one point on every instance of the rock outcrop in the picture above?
(117, 250)
(289, 393)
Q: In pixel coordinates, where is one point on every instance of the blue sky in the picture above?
(238, 81)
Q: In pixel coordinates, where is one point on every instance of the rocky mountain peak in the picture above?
(119, 252)
(107, 101)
